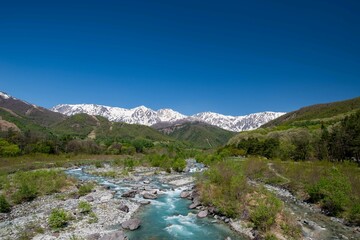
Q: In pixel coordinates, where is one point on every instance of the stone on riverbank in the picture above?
(129, 194)
(131, 224)
(124, 208)
(144, 202)
(149, 196)
(185, 194)
(118, 235)
(202, 214)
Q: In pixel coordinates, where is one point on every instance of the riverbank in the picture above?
(31, 219)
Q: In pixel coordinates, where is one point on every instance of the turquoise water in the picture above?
(170, 218)
(167, 217)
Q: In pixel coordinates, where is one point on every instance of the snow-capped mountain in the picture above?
(146, 116)
(139, 115)
(237, 123)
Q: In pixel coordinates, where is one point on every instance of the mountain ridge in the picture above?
(149, 117)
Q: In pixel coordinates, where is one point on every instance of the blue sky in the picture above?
(231, 57)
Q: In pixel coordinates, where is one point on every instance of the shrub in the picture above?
(270, 236)
(31, 184)
(332, 191)
(4, 205)
(92, 218)
(98, 165)
(84, 207)
(85, 189)
(58, 219)
(354, 216)
(25, 193)
(264, 214)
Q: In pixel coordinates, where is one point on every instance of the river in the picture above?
(168, 216)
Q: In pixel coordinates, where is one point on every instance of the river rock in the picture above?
(131, 224)
(146, 182)
(194, 205)
(94, 236)
(202, 214)
(118, 235)
(149, 196)
(124, 208)
(129, 194)
(185, 194)
(89, 198)
(144, 202)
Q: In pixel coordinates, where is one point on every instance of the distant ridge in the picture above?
(146, 116)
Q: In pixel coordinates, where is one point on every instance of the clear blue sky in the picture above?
(231, 57)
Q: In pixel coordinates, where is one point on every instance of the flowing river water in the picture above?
(168, 216)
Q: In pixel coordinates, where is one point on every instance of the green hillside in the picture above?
(97, 127)
(22, 122)
(324, 131)
(328, 112)
(199, 134)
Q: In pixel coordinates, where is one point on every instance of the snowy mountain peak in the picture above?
(147, 116)
(4, 95)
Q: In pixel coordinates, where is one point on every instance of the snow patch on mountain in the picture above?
(146, 116)
(5, 95)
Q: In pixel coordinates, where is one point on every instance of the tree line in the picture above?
(336, 143)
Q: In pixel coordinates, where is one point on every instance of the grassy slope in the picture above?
(201, 135)
(23, 122)
(325, 111)
(307, 120)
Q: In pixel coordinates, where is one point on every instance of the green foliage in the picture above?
(201, 135)
(7, 149)
(178, 164)
(264, 214)
(29, 185)
(141, 144)
(319, 111)
(85, 189)
(58, 219)
(93, 218)
(254, 146)
(99, 164)
(354, 215)
(224, 185)
(4, 205)
(332, 191)
(270, 236)
(84, 207)
(25, 193)
(129, 163)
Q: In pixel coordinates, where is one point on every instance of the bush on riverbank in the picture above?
(332, 192)
(85, 189)
(58, 219)
(225, 187)
(4, 205)
(26, 186)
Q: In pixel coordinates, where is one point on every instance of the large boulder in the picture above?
(194, 204)
(117, 235)
(185, 194)
(124, 208)
(149, 196)
(202, 214)
(131, 224)
(129, 194)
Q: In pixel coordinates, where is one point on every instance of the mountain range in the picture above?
(146, 116)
